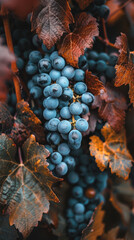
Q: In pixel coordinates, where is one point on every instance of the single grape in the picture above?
(67, 94)
(65, 113)
(35, 56)
(20, 63)
(79, 75)
(55, 90)
(68, 72)
(81, 125)
(64, 127)
(85, 109)
(53, 55)
(56, 157)
(53, 138)
(53, 124)
(75, 108)
(79, 208)
(104, 56)
(73, 177)
(63, 82)
(83, 63)
(101, 66)
(93, 55)
(54, 74)
(87, 98)
(80, 88)
(31, 68)
(51, 103)
(70, 161)
(44, 65)
(46, 50)
(49, 148)
(43, 79)
(49, 114)
(64, 149)
(91, 65)
(58, 63)
(104, 11)
(36, 92)
(46, 91)
(62, 169)
(74, 137)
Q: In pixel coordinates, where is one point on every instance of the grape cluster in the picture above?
(87, 183)
(65, 101)
(99, 63)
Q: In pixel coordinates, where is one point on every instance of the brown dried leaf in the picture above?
(96, 228)
(84, 3)
(6, 119)
(25, 116)
(125, 66)
(25, 186)
(94, 85)
(51, 19)
(91, 118)
(74, 44)
(113, 152)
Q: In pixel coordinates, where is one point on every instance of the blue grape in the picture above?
(87, 98)
(63, 103)
(54, 74)
(64, 136)
(30, 84)
(62, 169)
(110, 72)
(36, 41)
(104, 56)
(81, 125)
(93, 55)
(88, 215)
(79, 208)
(43, 79)
(31, 68)
(46, 91)
(75, 137)
(35, 56)
(65, 113)
(64, 127)
(113, 60)
(49, 148)
(53, 55)
(101, 66)
(79, 75)
(51, 167)
(48, 114)
(79, 218)
(53, 124)
(80, 88)
(63, 82)
(64, 149)
(58, 63)
(51, 103)
(45, 49)
(104, 11)
(83, 63)
(72, 202)
(73, 177)
(55, 90)
(75, 108)
(77, 191)
(53, 138)
(72, 223)
(89, 179)
(20, 63)
(44, 65)
(69, 213)
(67, 94)
(70, 161)
(56, 157)
(36, 92)
(68, 72)
(85, 109)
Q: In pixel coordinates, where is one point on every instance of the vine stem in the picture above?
(10, 46)
(20, 155)
(104, 29)
(107, 43)
(116, 11)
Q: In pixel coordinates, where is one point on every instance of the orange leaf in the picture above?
(83, 3)
(113, 152)
(94, 85)
(74, 44)
(51, 19)
(25, 186)
(125, 66)
(96, 228)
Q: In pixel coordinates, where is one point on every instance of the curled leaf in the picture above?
(113, 152)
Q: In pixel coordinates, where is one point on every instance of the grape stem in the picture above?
(14, 68)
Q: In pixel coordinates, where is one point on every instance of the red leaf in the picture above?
(83, 3)
(51, 19)
(94, 85)
(74, 44)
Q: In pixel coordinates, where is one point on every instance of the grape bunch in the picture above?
(87, 184)
(98, 9)
(65, 99)
(99, 63)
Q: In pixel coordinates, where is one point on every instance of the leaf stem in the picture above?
(20, 155)
(10, 46)
(104, 29)
(107, 42)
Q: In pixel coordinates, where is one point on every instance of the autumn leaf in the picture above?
(20, 8)
(6, 231)
(113, 152)
(96, 227)
(25, 186)
(74, 43)
(26, 117)
(51, 19)
(6, 119)
(125, 66)
(84, 3)
(94, 85)
(112, 105)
